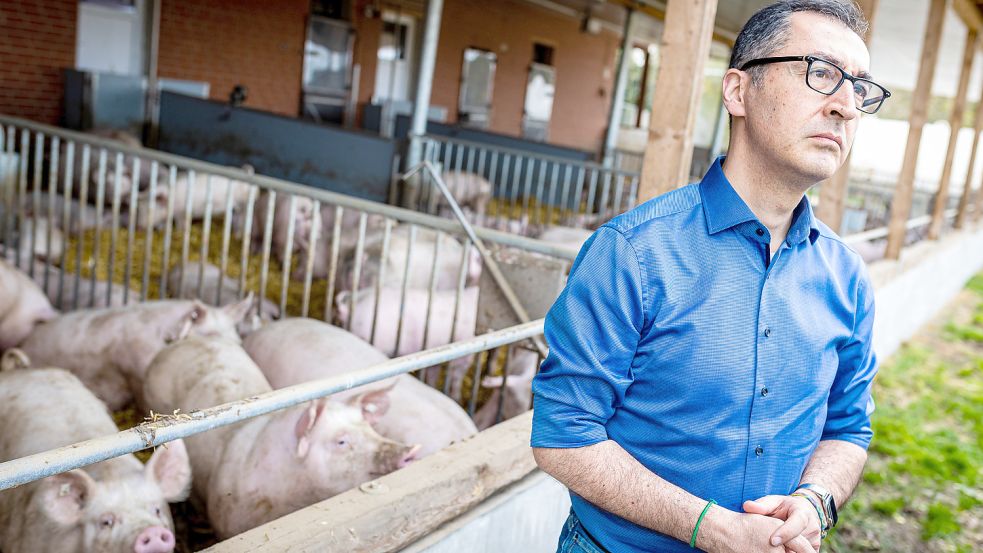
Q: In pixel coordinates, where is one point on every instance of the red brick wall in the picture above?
(256, 43)
(37, 40)
(584, 66)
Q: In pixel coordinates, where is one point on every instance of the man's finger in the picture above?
(800, 545)
(765, 505)
(796, 523)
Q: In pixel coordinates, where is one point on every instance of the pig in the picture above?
(421, 267)
(469, 190)
(438, 331)
(257, 470)
(515, 392)
(23, 306)
(224, 190)
(81, 216)
(217, 289)
(109, 348)
(39, 246)
(117, 505)
(565, 236)
(295, 350)
(305, 220)
(100, 294)
(126, 176)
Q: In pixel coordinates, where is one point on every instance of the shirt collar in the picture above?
(725, 209)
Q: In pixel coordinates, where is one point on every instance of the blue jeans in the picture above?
(574, 539)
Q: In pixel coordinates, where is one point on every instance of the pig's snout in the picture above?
(409, 456)
(155, 539)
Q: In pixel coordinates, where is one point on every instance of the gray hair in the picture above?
(768, 29)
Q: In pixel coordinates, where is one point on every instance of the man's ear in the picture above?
(734, 88)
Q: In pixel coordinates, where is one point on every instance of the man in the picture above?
(714, 343)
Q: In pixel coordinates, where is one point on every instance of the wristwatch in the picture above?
(826, 498)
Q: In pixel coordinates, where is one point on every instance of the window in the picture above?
(642, 68)
(542, 53)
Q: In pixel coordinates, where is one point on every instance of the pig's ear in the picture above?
(194, 316)
(374, 404)
(237, 311)
(64, 496)
(170, 469)
(304, 425)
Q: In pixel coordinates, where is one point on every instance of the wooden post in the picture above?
(901, 204)
(683, 53)
(833, 191)
(955, 123)
(968, 187)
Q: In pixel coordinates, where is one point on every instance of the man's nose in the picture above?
(843, 103)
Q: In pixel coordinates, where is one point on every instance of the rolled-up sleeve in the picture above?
(592, 331)
(850, 404)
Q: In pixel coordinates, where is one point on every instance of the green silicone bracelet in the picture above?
(692, 541)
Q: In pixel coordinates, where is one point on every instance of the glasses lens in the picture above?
(823, 77)
(869, 95)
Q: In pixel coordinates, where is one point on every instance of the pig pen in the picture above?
(98, 222)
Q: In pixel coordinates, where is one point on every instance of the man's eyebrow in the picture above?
(831, 58)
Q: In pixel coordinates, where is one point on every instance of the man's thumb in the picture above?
(762, 506)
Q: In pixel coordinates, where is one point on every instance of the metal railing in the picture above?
(534, 188)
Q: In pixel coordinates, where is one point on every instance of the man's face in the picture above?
(796, 129)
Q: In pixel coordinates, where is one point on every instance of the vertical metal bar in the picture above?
(264, 268)
(131, 228)
(206, 235)
(491, 360)
(619, 189)
(383, 256)
(402, 295)
(605, 211)
(114, 231)
(357, 272)
(247, 238)
(190, 181)
(100, 208)
(148, 246)
(226, 238)
(36, 193)
(432, 289)
(554, 179)
(527, 188)
(168, 227)
(540, 184)
(565, 195)
(25, 158)
(66, 216)
(462, 276)
(517, 170)
(7, 222)
(333, 265)
(287, 251)
(84, 177)
(633, 194)
(482, 154)
(311, 255)
(592, 192)
(470, 162)
(52, 194)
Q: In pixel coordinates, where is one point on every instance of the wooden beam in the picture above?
(397, 509)
(969, 13)
(833, 192)
(683, 52)
(955, 124)
(719, 33)
(901, 203)
(968, 186)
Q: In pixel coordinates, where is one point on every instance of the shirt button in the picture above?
(759, 451)
(764, 391)
(767, 332)
(760, 232)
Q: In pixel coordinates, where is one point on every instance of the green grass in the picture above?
(922, 489)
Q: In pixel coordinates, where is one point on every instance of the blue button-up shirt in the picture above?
(718, 369)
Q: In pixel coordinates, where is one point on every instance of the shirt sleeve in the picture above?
(592, 331)
(850, 404)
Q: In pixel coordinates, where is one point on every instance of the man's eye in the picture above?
(861, 90)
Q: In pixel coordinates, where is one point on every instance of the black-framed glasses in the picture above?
(826, 77)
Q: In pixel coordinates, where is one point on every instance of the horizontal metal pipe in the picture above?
(150, 434)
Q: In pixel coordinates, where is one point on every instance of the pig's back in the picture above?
(298, 350)
(198, 372)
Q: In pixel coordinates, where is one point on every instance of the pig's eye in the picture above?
(107, 521)
(342, 443)
(157, 511)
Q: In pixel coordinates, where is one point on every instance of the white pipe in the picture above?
(618, 96)
(424, 84)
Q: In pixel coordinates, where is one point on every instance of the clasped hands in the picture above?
(783, 521)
